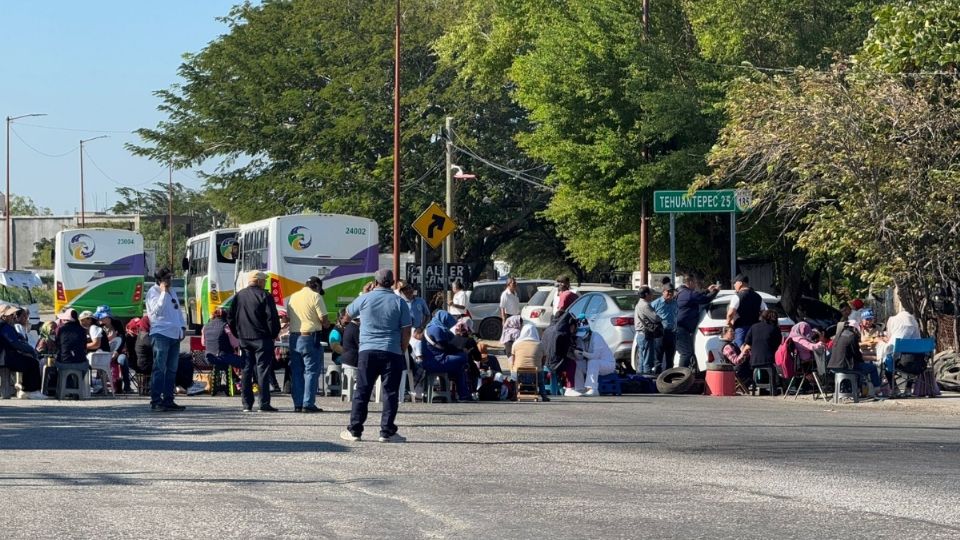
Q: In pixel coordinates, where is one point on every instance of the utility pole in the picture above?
(448, 243)
(396, 146)
(83, 212)
(646, 18)
(644, 233)
(6, 212)
(170, 212)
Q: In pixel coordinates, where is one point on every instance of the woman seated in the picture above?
(528, 354)
(464, 340)
(558, 348)
(592, 349)
(442, 355)
(47, 341)
(19, 356)
(806, 341)
(219, 342)
(510, 333)
(763, 339)
(732, 354)
(846, 356)
(119, 356)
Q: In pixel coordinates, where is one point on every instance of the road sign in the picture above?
(434, 225)
(704, 201)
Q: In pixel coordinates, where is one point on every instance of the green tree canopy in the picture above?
(915, 36)
(22, 205)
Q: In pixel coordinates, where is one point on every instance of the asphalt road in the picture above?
(629, 467)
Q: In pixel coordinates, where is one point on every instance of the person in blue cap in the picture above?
(594, 359)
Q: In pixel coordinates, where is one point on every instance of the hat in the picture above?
(8, 309)
(384, 277)
(255, 276)
(867, 315)
(742, 278)
(856, 303)
(67, 314)
(102, 313)
(314, 281)
(86, 314)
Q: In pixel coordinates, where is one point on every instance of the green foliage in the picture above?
(21, 205)
(778, 33)
(914, 36)
(42, 254)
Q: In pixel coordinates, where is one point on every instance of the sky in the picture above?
(92, 66)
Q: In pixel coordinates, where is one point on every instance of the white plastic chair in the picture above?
(100, 361)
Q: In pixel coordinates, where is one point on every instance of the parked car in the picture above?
(820, 315)
(539, 310)
(483, 303)
(610, 314)
(706, 343)
(17, 287)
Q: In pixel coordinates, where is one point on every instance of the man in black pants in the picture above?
(254, 320)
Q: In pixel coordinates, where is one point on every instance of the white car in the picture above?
(483, 303)
(539, 310)
(706, 342)
(610, 314)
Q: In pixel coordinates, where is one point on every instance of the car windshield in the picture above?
(539, 299)
(626, 301)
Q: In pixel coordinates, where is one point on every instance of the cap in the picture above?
(67, 314)
(314, 282)
(86, 314)
(8, 309)
(856, 303)
(867, 315)
(255, 275)
(742, 278)
(103, 312)
(384, 277)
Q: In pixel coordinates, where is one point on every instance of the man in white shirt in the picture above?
(458, 307)
(167, 329)
(509, 301)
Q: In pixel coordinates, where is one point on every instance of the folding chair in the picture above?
(920, 346)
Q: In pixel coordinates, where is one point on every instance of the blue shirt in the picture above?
(419, 312)
(667, 312)
(382, 315)
(690, 303)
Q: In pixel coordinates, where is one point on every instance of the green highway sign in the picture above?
(704, 201)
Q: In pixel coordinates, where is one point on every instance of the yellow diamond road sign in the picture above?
(434, 225)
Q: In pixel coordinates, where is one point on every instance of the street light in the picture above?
(7, 205)
(83, 213)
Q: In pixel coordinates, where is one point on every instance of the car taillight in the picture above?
(622, 321)
(61, 296)
(785, 328)
(138, 292)
(535, 314)
(276, 291)
(711, 330)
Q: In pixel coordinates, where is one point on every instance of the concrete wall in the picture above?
(26, 230)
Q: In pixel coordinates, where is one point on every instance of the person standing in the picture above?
(649, 329)
(384, 335)
(509, 301)
(744, 309)
(666, 308)
(690, 303)
(458, 306)
(419, 310)
(167, 328)
(253, 316)
(308, 317)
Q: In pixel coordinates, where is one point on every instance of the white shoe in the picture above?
(347, 436)
(570, 392)
(395, 438)
(196, 388)
(590, 393)
(30, 395)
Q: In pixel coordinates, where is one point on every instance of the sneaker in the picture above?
(196, 388)
(268, 408)
(30, 395)
(395, 438)
(179, 390)
(173, 407)
(570, 392)
(590, 393)
(312, 409)
(347, 436)
(247, 409)
(544, 398)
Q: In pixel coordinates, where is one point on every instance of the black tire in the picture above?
(490, 328)
(675, 381)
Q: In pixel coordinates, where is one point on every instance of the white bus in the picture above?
(341, 250)
(210, 268)
(94, 267)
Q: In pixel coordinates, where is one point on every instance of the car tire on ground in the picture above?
(675, 381)
(490, 328)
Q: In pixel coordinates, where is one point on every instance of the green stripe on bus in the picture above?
(116, 293)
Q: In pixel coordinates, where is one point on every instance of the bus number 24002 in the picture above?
(357, 230)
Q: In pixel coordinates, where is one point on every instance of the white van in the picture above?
(16, 287)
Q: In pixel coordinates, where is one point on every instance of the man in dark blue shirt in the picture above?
(690, 303)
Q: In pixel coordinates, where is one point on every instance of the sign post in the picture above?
(705, 201)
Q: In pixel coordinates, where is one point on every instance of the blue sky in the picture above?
(92, 65)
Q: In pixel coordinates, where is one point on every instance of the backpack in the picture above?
(784, 359)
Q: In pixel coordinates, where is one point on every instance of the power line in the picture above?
(41, 152)
(532, 180)
(55, 128)
(121, 184)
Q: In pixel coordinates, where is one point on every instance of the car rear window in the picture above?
(719, 310)
(525, 291)
(626, 302)
(486, 294)
(539, 299)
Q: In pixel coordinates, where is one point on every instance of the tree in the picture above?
(42, 254)
(860, 167)
(22, 205)
(914, 36)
